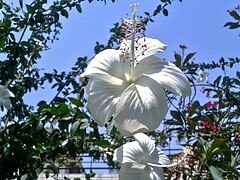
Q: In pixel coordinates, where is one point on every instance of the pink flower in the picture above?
(215, 103)
(209, 104)
(205, 123)
(212, 127)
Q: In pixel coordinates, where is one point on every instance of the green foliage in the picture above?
(210, 129)
(235, 15)
(61, 130)
(55, 131)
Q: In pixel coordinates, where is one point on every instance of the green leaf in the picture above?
(78, 7)
(193, 108)
(178, 59)
(75, 127)
(102, 143)
(159, 8)
(238, 74)
(216, 174)
(64, 13)
(21, 3)
(84, 125)
(235, 15)
(173, 122)
(39, 127)
(229, 168)
(147, 13)
(2, 42)
(30, 9)
(188, 57)
(56, 17)
(60, 109)
(165, 12)
(175, 114)
(232, 25)
(76, 102)
(217, 81)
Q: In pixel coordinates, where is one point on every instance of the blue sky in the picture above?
(197, 24)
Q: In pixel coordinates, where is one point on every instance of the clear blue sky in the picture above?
(196, 23)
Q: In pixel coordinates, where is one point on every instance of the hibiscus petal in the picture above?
(105, 63)
(165, 73)
(103, 94)
(157, 158)
(141, 107)
(153, 155)
(130, 152)
(136, 151)
(6, 103)
(131, 171)
(146, 143)
(143, 47)
(6, 93)
(147, 47)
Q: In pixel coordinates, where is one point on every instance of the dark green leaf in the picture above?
(30, 9)
(78, 7)
(175, 114)
(102, 143)
(188, 57)
(147, 13)
(165, 12)
(21, 3)
(64, 13)
(178, 59)
(56, 17)
(238, 74)
(2, 42)
(235, 15)
(217, 81)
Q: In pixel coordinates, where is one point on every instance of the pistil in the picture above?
(133, 32)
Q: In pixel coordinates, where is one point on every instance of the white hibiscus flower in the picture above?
(141, 159)
(129, 85)
(4, 97)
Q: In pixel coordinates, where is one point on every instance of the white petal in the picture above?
(1, 89)
(146, 143)
(132, 172)
(1, 102)
(105, 62)
(165, 73)
(153, 155)
(157, 158)
(103, 95)
(148, 66)
(136, 151)
(130, 152)
(6, 103)
(143, 47)
(141, 107)
(7, 93)
(148, 47)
